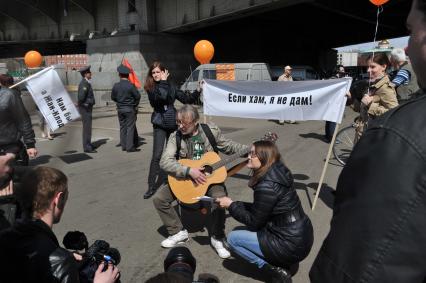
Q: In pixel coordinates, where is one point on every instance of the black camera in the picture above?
(100, 251)
(181, 261)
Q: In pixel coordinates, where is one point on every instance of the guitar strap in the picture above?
(209, 136)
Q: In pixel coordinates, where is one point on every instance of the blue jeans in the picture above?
(246, 245)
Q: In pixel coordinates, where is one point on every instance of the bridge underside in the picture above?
(301, 34)
(297, 34)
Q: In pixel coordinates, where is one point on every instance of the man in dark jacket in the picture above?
(15, 124)
(86, 100)
(30, 252)
(127, 97)
(377, 232)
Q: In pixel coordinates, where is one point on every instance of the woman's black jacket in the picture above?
(165, 94)
(285, 233)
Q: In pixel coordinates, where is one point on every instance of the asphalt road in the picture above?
(106, 191)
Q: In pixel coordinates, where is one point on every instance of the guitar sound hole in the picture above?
(208, 170)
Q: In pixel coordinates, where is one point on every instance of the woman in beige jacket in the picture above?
(381, 96)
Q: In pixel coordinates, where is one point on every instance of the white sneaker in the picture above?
(220, 249)
(175, 239)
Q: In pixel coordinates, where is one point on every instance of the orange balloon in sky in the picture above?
(378, 2)
(203, 51)
(33, 59)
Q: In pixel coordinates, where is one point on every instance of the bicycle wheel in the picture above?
(345, 141)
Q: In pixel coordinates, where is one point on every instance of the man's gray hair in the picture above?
(398, 54)
(189, 110)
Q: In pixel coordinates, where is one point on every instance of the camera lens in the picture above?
(180, 260)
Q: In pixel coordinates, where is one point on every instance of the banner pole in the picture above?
(325, 166)
(32, 76)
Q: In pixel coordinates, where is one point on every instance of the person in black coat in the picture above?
(162, 95)
(16, 131)
(279, 234)
(30, 251)
(127, 97)
(86, 100)
(377, 233)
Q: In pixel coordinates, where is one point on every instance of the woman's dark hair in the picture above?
(6, 80)
(149, 81)
(380, 58)
(268, 154)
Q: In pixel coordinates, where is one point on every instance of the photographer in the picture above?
(7, 205)
(15, 124)
(30, 251)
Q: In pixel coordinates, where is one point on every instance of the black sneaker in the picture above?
(277, 274)
(151, 191)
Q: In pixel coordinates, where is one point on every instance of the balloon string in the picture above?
(379, 11)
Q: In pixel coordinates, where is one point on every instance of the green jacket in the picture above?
(168, 160)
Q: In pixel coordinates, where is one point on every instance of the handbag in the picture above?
(165, 119)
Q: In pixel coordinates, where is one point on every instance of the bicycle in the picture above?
(346, 139)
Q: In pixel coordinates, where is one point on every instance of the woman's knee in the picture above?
(234, 238)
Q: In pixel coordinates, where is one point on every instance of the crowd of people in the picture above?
(377, 231)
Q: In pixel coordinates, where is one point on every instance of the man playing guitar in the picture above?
(194, 140)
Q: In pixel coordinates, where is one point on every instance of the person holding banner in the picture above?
(377, 233)
(162, 95)
(127, 97)
(86, 100)
(15, 124)
(279, 233)
(381, 97)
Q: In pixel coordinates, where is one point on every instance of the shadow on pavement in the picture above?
(202, 240)
(313, 136)
(58, 134)
(242, 267)
(99, 143)
(74, 158)
(303, 186)
(326, 194)
(300, 177)
(42, 159)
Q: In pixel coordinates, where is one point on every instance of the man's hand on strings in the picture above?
(197, 175)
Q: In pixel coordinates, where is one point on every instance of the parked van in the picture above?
(229, 72)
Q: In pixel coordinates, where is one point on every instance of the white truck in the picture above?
(227, 71)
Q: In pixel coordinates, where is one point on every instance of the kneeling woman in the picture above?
(279, 233)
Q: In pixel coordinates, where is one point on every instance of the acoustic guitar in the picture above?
(187, 191)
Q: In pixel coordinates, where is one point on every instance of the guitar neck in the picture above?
(229, 159)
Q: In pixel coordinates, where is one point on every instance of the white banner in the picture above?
(300, 100)
(51, 98)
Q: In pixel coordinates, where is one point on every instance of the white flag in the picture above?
(52, 99)
(300, 100)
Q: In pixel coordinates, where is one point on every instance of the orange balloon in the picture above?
(378, 2)
(203, 51)
(33, 59)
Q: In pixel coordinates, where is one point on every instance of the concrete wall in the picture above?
(140, 49)
(174, 13)
(77, 21)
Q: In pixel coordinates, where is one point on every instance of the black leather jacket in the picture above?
(15, 123)
(165, 94)
(30, 252)
(285, 233)
(378, 229)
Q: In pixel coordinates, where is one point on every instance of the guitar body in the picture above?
(186, 190)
